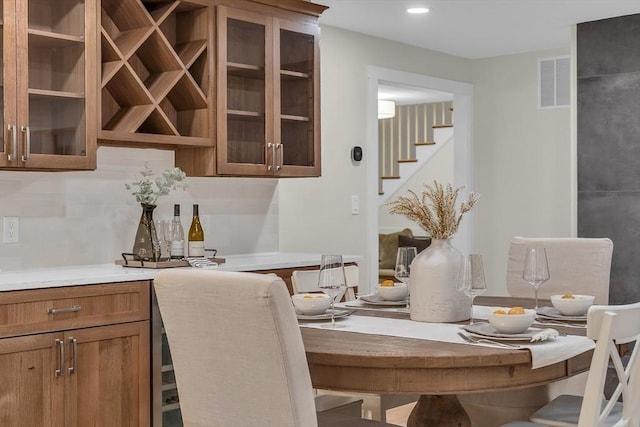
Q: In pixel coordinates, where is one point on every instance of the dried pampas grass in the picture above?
(435, 211)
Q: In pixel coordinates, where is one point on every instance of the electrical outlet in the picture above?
(11, 229)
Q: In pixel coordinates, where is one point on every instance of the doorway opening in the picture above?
(381, 80)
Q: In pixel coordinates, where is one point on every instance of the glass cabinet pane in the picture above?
(297, 98)
(57, 125)
(246, 88)
(56, 77)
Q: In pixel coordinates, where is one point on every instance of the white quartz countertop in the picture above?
(107, 273)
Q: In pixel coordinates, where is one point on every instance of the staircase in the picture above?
(409, 140)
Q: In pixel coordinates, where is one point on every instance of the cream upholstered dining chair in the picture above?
(609, 326)
(237, 351)
(577, 265)
(307, 281)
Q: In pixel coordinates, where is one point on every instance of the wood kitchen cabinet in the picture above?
(48, 66)
(268, 92)
(156, 73)
(87, 362)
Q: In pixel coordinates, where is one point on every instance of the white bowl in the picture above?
(311, 304)
(576, 306)
(397, 292)
(512, 323)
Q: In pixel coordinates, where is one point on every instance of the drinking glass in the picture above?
(332, 280)
(404, 258)
(471, 278)
(167, 232)
(162, 239)
(536, 269)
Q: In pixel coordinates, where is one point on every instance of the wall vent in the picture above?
(553, 82)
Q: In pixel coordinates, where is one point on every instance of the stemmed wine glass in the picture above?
(331, 279)
(536, 269)
(404, 258)
(471, 278)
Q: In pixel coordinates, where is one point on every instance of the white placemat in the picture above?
(542, 353)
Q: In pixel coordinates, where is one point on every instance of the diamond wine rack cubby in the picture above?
(156, 72)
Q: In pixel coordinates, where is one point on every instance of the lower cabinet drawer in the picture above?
(70, 307)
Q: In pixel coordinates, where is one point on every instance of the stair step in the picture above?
(442, 126)
(425, 143)
(389, 177)
(407, 160)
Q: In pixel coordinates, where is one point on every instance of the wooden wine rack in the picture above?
(156, 72)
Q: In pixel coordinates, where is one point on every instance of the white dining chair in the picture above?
(610, 326)
(237, 351)
(307, 281)
(375, 405)
(577, 265)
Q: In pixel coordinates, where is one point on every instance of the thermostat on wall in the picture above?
(356, 153)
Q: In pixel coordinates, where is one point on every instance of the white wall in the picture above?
(315, 214)
(523, 160)
(76, 218)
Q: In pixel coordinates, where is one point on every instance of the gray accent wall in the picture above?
(608, 98)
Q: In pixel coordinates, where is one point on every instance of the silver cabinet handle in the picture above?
(27, 143)
(74, 349)
(273, 156)
(281, 148)
(14, 143)
(60, 371)
(74, 309)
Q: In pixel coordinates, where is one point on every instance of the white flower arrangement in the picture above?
(143, 188)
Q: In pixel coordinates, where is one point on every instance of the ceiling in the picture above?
(473, 28)
(408, 95)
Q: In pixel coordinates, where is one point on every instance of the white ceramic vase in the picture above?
(434, 273)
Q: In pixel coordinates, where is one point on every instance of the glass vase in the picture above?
(146, 246)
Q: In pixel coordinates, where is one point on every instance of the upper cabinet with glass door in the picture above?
(268, 103)
(48, 66)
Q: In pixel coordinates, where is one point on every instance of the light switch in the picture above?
(355, 205)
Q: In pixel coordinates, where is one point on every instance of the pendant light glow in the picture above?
(417, 10)
(386, 109)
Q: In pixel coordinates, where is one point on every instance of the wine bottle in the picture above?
(196, 236)
(177, 235)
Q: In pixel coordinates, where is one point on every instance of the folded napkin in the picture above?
(202, 263)
(543, 353)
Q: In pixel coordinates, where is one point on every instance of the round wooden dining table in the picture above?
(437, 371)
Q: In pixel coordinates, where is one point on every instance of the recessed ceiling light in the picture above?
(417, 10)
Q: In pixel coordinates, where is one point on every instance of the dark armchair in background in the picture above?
(388, 245)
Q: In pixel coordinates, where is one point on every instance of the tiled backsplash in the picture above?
(77, 218)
